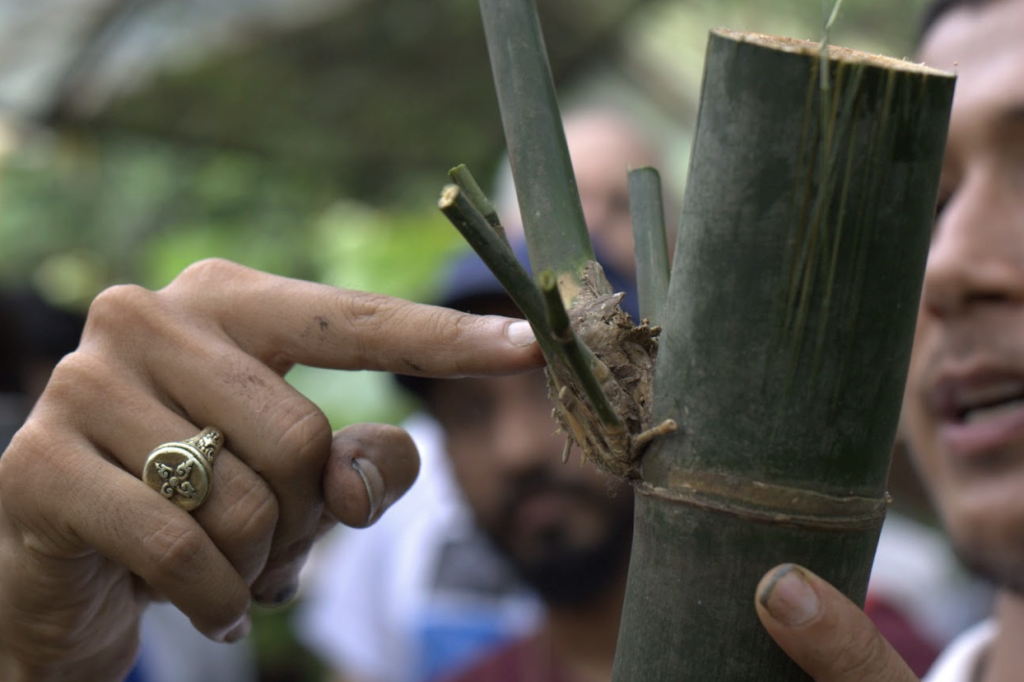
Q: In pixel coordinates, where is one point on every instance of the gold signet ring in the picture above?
(182, 471)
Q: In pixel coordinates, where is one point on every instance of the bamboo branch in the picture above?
(649, 241)
(498, 256)
(545, 185)
(461, 176)
(580, 359)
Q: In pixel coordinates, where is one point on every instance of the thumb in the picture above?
(824, 632)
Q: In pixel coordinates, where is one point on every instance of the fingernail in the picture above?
(374, 483)
(521, 333)
(789, 598)
(240, 630)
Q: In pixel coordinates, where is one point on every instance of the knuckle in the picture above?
(78, 377)
(367, 315)
(34, 466)
(450, 327)
(367, 308)
(304, 433)
(174, 551)
(112, 306)
(201, 273)
(377, 322)
(34, 475)
(258, 511)
(449, 331)
(462, 326)
(124, 320)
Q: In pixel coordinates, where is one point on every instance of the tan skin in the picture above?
(960, 415)
(85, 545)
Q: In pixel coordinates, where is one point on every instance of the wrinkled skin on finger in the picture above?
(824, 632)
(85, 545)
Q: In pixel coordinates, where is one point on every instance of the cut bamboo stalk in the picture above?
(786, 341)
(570, 361)
(461, 176)
(650, 243)
(496, 253)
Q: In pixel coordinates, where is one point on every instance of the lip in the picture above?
(956, 393)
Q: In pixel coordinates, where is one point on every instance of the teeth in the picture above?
(993, 411)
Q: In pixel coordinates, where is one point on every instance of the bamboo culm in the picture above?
(785, 345)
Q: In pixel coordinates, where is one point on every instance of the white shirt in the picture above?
(915, 562)
(174, 651)
(959, 662)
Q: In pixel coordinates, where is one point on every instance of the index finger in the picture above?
(825, 633)
(285, 321)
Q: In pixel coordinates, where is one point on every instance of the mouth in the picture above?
(969, 402)
(980, 412)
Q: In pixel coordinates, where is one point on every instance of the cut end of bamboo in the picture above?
(448, 196)
(547, 281)
(843, 54)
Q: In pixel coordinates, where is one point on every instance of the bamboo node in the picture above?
(623, 364)
(769, 502)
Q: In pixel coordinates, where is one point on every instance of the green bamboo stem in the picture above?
(556, 231)
(461, 176)
(650, 242)
(498, 256)
(558, 318)
(580, 359)
(794, 289)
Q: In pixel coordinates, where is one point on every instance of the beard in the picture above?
(564, 570)
(1001, 570)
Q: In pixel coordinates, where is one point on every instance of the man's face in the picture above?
(964, 404)
(566, 527)
(603, 149)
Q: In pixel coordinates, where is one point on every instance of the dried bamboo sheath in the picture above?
(786, 340)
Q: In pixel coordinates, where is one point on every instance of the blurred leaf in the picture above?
(399, 254)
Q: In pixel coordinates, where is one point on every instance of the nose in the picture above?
(977, 252)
